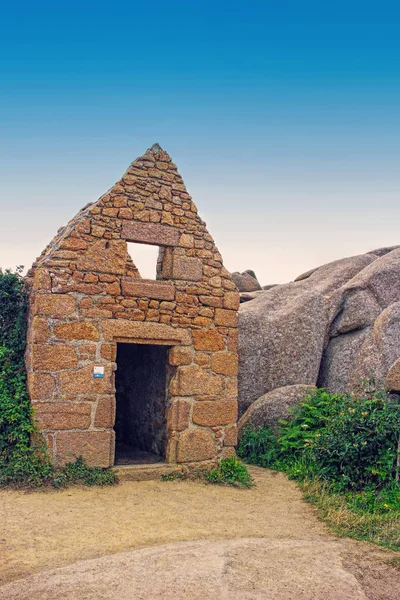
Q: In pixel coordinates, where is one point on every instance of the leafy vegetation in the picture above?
(174, 476)
(343, 450)
(361, 515)
(231, 471)
(23, 457)
(78, 472)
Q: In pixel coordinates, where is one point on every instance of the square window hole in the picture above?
(144, 258)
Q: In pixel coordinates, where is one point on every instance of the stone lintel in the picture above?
(140, 332)
(150, 233)
(142, 288)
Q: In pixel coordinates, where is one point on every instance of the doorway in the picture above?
(141, 386)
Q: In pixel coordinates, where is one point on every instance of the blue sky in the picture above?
(283, 117)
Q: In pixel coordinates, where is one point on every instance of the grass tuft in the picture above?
(340, 514)
(231, 471)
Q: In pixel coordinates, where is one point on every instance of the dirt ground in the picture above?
(179, 539)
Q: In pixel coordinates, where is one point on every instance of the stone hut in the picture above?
(120, 366)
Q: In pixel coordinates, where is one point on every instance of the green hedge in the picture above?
(348, 440)
(342, 449)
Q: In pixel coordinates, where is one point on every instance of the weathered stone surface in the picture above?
(231, 435)
(215, 412)
(209, 340)
(268, 410)
(368, 364)
(55, 305)
(180, 355)
(246, 282)
(195, 380)
(186, 240)
(226, 318)
(333, 275)
(178, 415)
(393, 377)
(109, 352)
(188, 269)
(387, 334)
(79, 330)
(96, 447)
(283, 332)
(42, 280)
(62, 415)
(337, 366)
(41, 386)
(53, 358)
(158, 290)
(105, 413)
(149, 333)
(247, 296)
(81, 381)
(195, 445)
(358, 309)
(280, 343)
(150, 233)
(383, 251)
(225, 363)
(381, 278)
(104, 256)
(380, 349)
(39, 330)
(73, 244)
(232, 300)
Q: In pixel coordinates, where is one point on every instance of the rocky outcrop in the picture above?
(246, 281)
(332, 327)
(274, 406)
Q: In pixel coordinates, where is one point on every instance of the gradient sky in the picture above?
(283, 118)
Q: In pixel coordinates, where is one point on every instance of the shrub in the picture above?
(259, 446)
(358, 447)
(78, 472)
(19, 459)
(350, 441)
(232, 472)
(342, 449)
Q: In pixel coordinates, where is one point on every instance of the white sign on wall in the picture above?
(98, 371)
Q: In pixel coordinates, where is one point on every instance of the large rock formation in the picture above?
(274, 406)
(332, 327)
(246, 281)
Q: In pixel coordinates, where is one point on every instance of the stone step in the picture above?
(146, 472)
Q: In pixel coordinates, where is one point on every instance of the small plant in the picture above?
(78, 472)
(259, 446)
(231, 471)
(173, 476)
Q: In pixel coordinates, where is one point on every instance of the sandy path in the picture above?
(264, 542)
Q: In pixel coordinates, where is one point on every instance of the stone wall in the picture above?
(87, 295)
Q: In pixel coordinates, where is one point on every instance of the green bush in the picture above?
(350, 441)
(19, 460)
(23, 456)
(231, 471)
(78, 472)
(342, 449)
(358, 447)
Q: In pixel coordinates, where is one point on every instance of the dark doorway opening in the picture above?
(141, 384)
